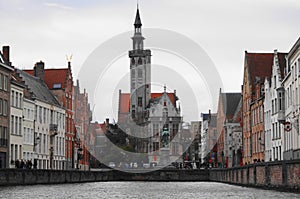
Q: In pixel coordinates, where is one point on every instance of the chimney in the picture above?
(107, 122)
(5, 50)
(39, 70)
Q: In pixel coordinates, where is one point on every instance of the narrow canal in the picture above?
(141, 190)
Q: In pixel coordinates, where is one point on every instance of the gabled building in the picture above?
(82, 120)
(211, 141)
(229, 142)
(60, 82)
(204, 138)
(292, 104)
(257, 67)
(5, 75)
(274, 109)
(16, 122)
(49, 123)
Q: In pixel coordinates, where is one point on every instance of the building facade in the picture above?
(149, 113)
(291, 86)
(29, 140)
(16, 123)
(229, 130)
(257, 67)
(82, 120)
(60, 82)
(5, 75)
(49, 124)
(273, 109)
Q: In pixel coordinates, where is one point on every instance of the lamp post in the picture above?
(37, 141)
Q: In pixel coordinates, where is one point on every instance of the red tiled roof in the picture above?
(259, 65)
(171, 96)
(53, 76)
(124, 103)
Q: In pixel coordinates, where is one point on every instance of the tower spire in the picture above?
(137, 22)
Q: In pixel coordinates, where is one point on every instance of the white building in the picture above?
(28, 130)
(16, 123)
(267, 121)
(164, 114)
(49, 124)
(291, 85)
(273, 108)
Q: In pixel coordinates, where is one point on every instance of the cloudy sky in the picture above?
(49, 30)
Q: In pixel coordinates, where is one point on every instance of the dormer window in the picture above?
(57, 86)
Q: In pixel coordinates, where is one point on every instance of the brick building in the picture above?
(5, 74)
(228, 126)
(82, 120)
(257, 67)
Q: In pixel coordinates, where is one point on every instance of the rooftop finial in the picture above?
(165, 88)
(137, 22)
(137, 4)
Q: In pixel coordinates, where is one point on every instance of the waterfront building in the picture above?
(82, 118)
(60, 82)
(204, 137)
(211, 140)
(196, 127)
(257, 67)
(292, 106)
(5, 75)
(229, 142)
(16, 122)
(29, 139)
(274, 109)
(149, 112)
(49, 123)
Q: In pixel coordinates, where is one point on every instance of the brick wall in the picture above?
(280, 175)
(276, 175)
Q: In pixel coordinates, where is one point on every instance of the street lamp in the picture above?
(36, 141)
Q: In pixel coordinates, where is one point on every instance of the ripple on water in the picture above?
(166, 190)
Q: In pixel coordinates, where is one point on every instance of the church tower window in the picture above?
(140, 62)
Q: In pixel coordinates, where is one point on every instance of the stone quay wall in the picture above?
(279, 175)
(10, 177)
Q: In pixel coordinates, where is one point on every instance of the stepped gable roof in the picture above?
(38, 88)
(282, 62)
(53, 76)
(124, 103)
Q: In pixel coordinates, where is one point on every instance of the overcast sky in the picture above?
(49, 30)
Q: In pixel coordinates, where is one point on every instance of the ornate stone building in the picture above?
(148, 112)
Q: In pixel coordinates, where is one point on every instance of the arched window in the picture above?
(132, 61)
(140, 62)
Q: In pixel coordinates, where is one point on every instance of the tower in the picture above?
(140, 74)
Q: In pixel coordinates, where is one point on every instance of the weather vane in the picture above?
(69, 58)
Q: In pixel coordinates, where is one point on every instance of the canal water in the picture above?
(164, 190)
